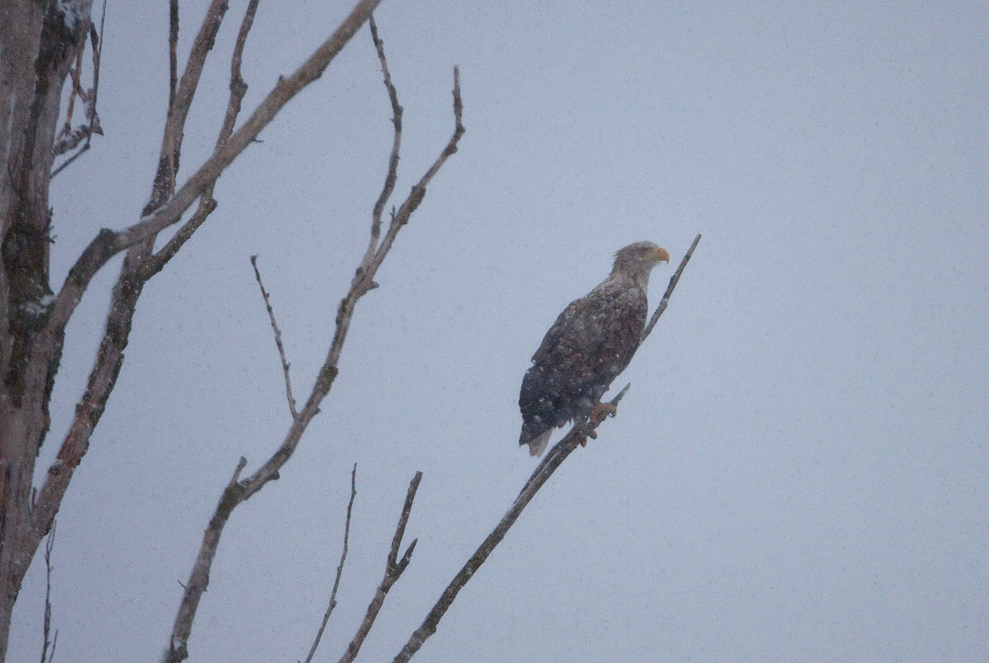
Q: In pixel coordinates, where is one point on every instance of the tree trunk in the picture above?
(38, 42)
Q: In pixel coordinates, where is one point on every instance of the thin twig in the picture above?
(393, 571)
(343, 558)
(89, 98)
(278, 337)
(97, 58)
(269, 471)
(418, 193)
(238, 88)
(669, 290)
(181, 97)
(109, 243)
(65, 164)
(49, 546)
(577, 435)
(389, 185)
(51, 654)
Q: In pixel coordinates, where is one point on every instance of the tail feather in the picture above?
(537, 445)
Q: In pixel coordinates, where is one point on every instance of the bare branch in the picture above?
(238, 88)
(173, 55)
(343, 558)
(541, 475)
(269, 471)
(199, 578)
(181, 97)
(278, 338)
(576, 436)
(90, 408)
(389, 185)
(138, 268)
(393, 571)
(67, 138)
(669, 289)
(108, 243)
(49, 546)
(415, 198)
(345, 312)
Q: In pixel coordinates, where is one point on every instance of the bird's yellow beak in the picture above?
(662, 255)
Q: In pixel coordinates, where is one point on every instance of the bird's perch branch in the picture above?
(669, 290)
(577, 435)
(542, 474)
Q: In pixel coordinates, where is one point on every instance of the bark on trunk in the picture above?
(38, 42)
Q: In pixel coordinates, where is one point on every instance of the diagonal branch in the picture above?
(393, 571)
(664, 302)
(577, 435)
(238, 88)
(139, 266)
(389, 185)
(343, 558)
(278, 340)
(108, 243)
(240, 491)
(543, 472)
(181, 97)
(177, 650)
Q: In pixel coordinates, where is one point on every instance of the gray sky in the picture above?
(799, 472)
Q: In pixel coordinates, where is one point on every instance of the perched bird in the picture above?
(590, 343)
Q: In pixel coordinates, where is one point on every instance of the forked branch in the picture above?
(393, 571)
(108, 243)
(139, 266)
(238, 490)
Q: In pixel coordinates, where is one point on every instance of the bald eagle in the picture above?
(590, 343)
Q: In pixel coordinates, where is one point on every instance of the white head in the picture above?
(635, 261)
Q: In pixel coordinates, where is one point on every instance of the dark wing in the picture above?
(590, 343)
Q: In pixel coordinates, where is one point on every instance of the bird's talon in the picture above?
(602, 411)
